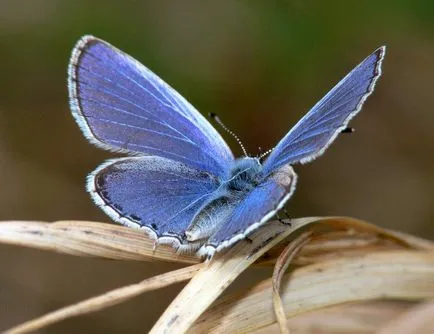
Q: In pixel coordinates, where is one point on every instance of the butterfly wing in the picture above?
(314, 133)
(158, 195)
(120, 105)
(255, 209)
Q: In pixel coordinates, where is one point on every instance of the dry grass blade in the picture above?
(108, 299)
(419, 319)
(83, 238)
(405, 275)
(215, 277)
(280, 268)
(357, 226)
(343, 236)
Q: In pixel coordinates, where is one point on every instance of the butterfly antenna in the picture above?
(266, 153)
(217, 119)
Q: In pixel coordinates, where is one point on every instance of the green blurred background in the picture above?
(260, 65)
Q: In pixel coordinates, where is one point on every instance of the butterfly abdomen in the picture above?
(210, 218)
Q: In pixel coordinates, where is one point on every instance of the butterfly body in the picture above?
(245, 177)
(180, 182)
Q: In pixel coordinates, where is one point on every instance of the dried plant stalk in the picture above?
(108, 299)
(212, 280)
(407, 275)
(82, 238)
(338, 239)
(215, 277)
(280, 268)
(110, 241)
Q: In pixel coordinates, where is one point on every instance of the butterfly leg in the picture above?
(287, 217)
(249, 240)
(154, 246)
(279, 218)
(180, 251)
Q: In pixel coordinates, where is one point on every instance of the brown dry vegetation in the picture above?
(344, 275)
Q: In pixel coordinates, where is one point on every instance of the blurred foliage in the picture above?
(259, 65)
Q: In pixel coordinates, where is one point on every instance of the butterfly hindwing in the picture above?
(121, 105)
(255, 209)
(314, 133)
(157, 194)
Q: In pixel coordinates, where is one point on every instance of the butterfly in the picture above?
(179, 181)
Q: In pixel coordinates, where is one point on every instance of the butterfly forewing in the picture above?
(121, 105)
(311, 136)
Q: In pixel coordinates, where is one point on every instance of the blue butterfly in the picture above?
(180, 182)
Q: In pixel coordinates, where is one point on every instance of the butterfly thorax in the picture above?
(245, 175)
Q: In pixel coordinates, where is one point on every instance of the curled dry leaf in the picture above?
(336, 239)
(397, 275)
(212, 280)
